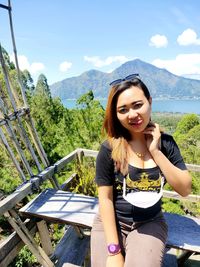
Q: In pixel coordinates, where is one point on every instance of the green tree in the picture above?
(187, 136)
(9, 64)
(187, 122)
(42, 86)
(90, 118)
(28, 82)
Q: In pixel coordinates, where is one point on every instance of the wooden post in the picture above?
(44, 237)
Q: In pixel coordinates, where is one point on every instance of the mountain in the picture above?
(161, 83)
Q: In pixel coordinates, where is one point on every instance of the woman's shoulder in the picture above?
(167, 142)
(105, 150)
(166, 138)
(106, 145)
(104, 159)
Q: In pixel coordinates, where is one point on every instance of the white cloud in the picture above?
(65, 66)
(183, 64)
(97, 62)
(24, 64)
(36, 67)
(188, 37)
(158, 41)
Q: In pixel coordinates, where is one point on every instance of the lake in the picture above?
(167, 105)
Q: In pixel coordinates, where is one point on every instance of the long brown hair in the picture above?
(117, 135)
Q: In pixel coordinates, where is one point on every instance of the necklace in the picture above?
(139, 155)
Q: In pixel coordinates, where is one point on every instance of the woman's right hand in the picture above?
(115, 261)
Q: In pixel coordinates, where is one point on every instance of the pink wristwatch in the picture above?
(114, 249)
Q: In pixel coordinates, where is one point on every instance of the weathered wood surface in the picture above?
(183, 232)
(11, 246)
(28, 239)
(175, 195)
(44, 237)
(193, 167)
(71, 250)
(63, 207)
(10, 201)
(59, 165)
(88, 152)
(169, 260)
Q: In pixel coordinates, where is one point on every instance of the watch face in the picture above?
(113, 248)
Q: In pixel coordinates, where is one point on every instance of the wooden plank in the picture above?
(71, 250)
(47, 173)
(89, 153)
(10, 201)
(59, 165)
(11, 246)
(169, 260)
(183, 232)
(175, 195)
(44, 237)
(193, 167)
(62, 207)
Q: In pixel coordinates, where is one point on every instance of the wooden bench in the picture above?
(77, 210)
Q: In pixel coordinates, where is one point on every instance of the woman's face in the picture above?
(133, 109)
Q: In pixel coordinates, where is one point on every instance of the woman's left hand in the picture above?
(152, 135)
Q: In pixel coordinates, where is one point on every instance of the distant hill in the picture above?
(161, 83)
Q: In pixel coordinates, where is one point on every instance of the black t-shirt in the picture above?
(138, 179)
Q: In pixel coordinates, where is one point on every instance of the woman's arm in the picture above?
(180, 180)
(109, 223)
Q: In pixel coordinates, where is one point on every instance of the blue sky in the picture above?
(65, 38)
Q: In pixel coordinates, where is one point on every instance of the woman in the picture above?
(131, 168)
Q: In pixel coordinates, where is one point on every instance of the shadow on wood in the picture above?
(71, 250)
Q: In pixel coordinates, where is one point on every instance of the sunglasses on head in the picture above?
(127, 78)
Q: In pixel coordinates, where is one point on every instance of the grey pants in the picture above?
(143, 243)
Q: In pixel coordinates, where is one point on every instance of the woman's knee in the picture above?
(145, 246)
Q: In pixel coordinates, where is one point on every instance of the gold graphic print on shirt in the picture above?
(144, 183)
